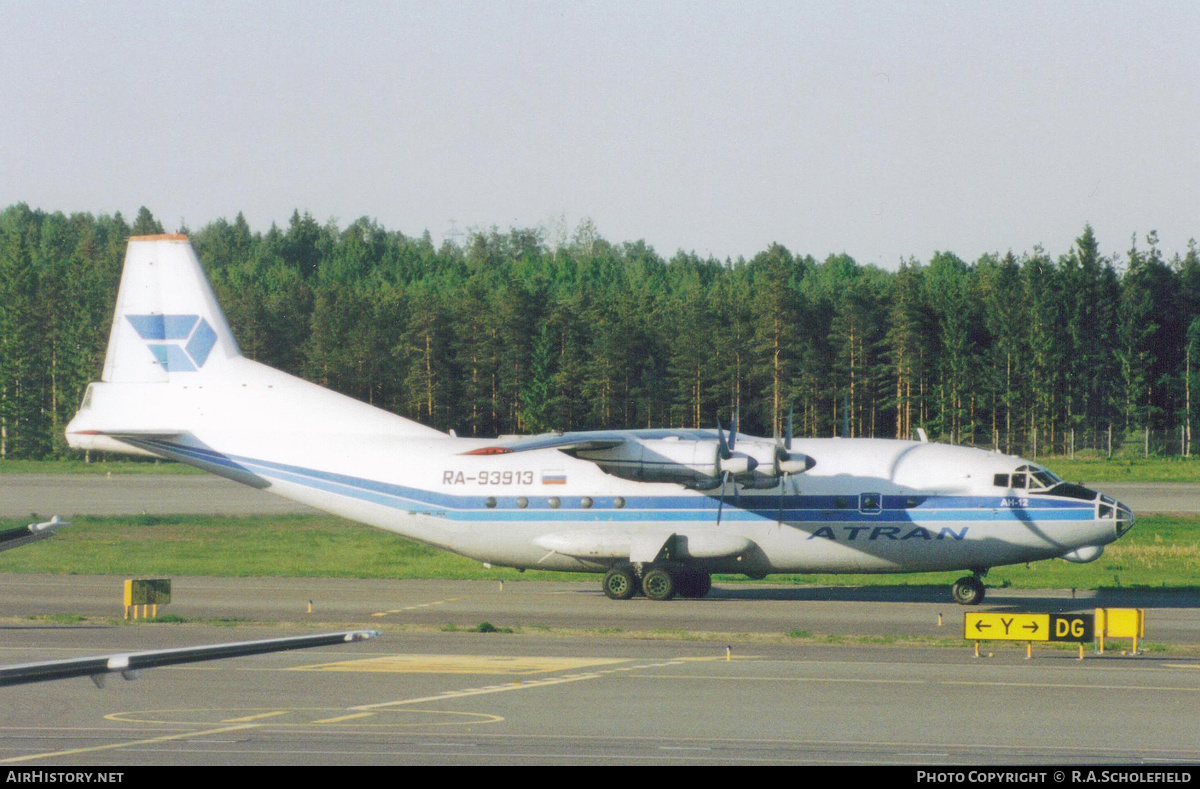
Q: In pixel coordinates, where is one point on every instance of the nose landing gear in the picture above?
(969, 589)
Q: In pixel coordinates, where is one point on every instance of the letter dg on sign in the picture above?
(1072, 627)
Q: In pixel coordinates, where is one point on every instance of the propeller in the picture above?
(785, 461)
(726, 461)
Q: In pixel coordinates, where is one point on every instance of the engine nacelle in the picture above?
(696, 463)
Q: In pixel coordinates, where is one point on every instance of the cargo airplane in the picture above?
(654, 511)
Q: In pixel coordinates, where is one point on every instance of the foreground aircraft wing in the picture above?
(12, 538)
(130, 663)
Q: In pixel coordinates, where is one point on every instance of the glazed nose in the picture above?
(1109, 508)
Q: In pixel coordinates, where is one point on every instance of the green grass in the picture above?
(1161, 552)
(1166, 469)
(292, 546)
(100, 466)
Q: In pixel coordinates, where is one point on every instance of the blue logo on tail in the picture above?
(194, 340)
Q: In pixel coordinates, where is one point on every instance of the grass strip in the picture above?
(1162, 552)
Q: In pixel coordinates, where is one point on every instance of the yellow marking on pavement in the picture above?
(458, 694)
(523, 685)
(249, 718)
(114, 746)
(341, 718)
(418, 605)
(460, 664)
(301, 717)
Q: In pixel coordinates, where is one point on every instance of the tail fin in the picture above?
(168, 333)
(167, 322)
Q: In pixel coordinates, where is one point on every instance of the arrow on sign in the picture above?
(1032, 626)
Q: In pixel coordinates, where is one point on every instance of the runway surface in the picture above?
(68, 495)
(565, 689)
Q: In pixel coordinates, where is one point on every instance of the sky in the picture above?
(883, 130)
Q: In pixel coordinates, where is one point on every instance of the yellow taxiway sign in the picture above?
(1028, 627)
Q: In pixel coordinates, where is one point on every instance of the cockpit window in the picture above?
(1035, 478)
(1000, 480)
(1045, 479)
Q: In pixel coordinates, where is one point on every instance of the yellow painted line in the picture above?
(1182, 665)
(417, 606)
(256, 717)
(460, 664)
(114, 746)
(458, 694)
(341, 718)
(523, 685)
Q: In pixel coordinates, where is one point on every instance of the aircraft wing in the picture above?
(130, 663)
(12, 538)
(598, 439)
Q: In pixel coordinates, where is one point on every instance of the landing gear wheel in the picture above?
(967, 590)
(658, 584)
(620, 583)
(693, 584)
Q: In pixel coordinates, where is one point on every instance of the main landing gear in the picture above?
(969, 589)
(656, 582)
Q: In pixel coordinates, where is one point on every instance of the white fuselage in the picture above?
(868, 505)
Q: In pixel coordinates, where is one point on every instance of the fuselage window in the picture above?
(1000, 480)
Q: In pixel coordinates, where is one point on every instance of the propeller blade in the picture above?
(723, 449)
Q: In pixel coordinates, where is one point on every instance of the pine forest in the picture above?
(511, 332)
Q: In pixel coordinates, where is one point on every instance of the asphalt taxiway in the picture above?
(750, 675)
(587, 680)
